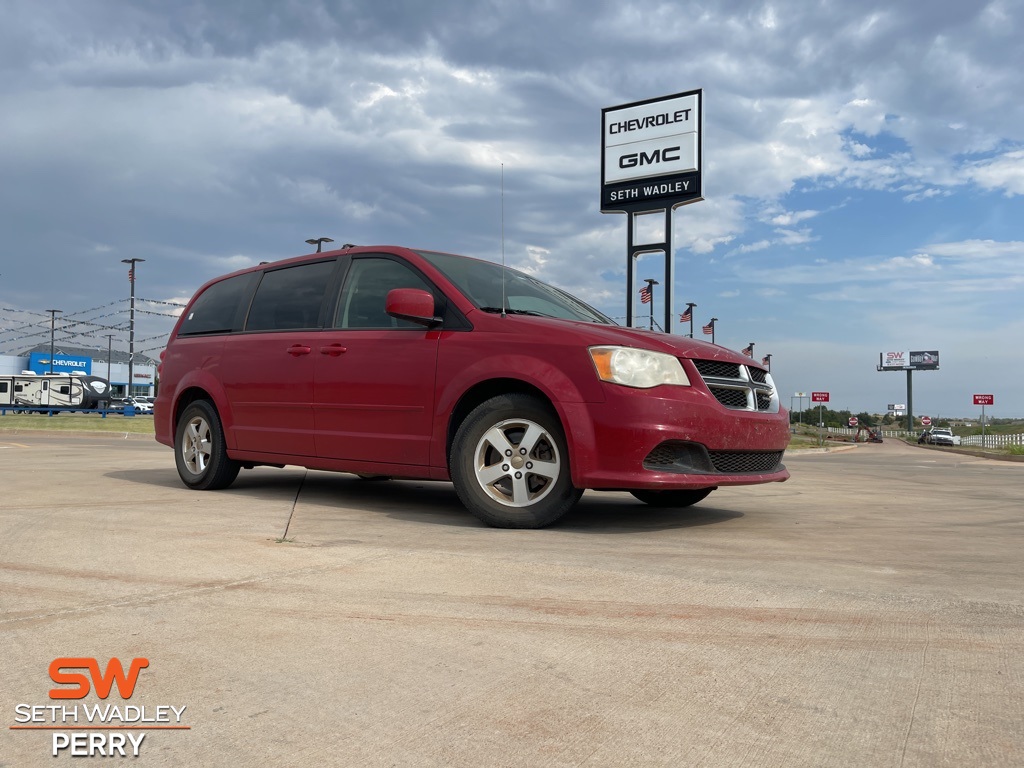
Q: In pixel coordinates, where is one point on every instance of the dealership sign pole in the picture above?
(651, 159)
(984, 400)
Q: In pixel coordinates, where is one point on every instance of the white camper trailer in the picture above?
(72, 391)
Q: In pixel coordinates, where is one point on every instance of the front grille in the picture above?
(694, 459)
(730, 398)
(734, 462)
(716, 369)
(739, 387)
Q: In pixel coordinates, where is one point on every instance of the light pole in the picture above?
(53, 316)
(110, 341)
(131, 325)
(319, 242)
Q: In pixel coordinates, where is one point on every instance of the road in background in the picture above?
(867, 612)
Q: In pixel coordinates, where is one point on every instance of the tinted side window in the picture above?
(3, 386)
(366, 288)
(216, 310)
(290, 298)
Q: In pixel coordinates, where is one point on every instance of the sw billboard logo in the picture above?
(892, 358)
(102, 682)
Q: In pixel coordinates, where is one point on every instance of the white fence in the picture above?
(991, 441)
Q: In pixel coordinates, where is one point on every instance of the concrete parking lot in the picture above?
(868, 612)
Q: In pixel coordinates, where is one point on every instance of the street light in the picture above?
(131, 325)
(319, 242)
(53, 316)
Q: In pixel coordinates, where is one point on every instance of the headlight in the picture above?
(637, 367)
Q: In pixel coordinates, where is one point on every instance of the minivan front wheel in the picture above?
(201, 454)
(510, 463)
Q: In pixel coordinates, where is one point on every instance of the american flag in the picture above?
(748, 351)
(765, 360)
(131, 274)
(687, 316)
(709, 328)
(645, 294)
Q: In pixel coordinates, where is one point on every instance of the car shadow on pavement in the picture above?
(330, 495)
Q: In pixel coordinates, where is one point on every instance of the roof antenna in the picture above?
(503, 240)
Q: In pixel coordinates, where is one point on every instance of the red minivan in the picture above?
(388, 361)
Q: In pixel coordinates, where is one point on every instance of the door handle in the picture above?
(334, 350)
(298, 349)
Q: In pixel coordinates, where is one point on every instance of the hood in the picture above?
(593, 334)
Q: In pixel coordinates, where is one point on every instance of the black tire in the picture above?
(199, 449)
(678, 499)
(510, 463)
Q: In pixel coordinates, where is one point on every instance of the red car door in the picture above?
(268, 370)
(374, 385)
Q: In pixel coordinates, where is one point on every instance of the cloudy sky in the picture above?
(864, 164)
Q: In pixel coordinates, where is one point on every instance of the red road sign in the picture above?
(853, 421)
(984, 400)
(926, 420)
(819, 397)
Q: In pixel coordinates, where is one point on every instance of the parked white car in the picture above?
(943, 436)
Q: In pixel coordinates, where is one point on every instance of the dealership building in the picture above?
(93, 362)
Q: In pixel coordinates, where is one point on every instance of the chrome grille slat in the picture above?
(739, 387)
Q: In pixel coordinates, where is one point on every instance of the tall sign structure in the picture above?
(651, 160)
(921, 360)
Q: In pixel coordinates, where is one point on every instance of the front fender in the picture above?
(567, 384)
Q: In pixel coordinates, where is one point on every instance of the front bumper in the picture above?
(673, 438)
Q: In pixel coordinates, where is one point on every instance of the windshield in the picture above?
(482, 283)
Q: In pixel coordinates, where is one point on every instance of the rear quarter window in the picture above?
(220, 308)
(290, 298)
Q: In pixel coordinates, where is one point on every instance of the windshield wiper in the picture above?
(498, 310)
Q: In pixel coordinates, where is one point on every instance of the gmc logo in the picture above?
(633, 159)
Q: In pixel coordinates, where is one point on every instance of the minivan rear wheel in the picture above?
(201, 455)
(510, 463)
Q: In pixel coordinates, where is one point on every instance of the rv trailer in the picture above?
(69, 391)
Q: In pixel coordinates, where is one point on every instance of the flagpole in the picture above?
(651, 282)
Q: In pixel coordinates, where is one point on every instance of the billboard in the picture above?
(651, 153)
(915, 360)
(924, 361)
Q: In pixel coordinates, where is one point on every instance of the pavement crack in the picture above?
(295, 502)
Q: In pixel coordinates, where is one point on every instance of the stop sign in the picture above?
(926, 420)
(853, 421)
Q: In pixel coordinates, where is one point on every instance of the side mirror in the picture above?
(413, 304)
